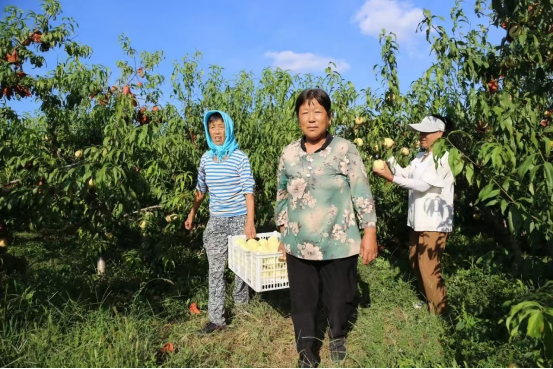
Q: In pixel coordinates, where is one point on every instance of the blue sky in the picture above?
(251, 35)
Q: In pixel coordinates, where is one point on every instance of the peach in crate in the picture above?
(258, 262)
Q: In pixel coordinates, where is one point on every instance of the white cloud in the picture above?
(395, 16)
(306, 62)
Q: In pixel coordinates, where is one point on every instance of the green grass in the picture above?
(59, 314)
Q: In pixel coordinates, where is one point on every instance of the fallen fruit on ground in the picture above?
(194, 309)
(168, 348)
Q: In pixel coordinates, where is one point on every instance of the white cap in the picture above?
(428, 124)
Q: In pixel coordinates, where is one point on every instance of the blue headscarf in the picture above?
(230, 144)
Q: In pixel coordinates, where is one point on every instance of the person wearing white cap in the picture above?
(430, 213)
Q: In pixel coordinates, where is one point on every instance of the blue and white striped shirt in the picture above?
(227, 183)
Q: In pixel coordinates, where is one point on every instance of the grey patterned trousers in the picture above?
(216, 246)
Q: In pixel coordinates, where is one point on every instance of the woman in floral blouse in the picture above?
(322, 184)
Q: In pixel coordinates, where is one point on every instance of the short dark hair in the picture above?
(314, 93)
(214, 117)
(449, 124)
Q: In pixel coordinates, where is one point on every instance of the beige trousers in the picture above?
(425, 254)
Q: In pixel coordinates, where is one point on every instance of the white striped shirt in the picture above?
(227, 182)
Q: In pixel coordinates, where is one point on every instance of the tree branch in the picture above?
(144, 209)
(15, 181)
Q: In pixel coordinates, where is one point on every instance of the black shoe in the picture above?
(212, 327)
(306, 364)
(338, 350)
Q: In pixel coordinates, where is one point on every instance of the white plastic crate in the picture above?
(262, 272)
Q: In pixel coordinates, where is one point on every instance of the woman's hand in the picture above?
(198, 198)
(249, 230)
(189, 222)
(281, 246)
(281, 249)
(385, 172)
(369, 246)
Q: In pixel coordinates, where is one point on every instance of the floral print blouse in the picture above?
(316, 198)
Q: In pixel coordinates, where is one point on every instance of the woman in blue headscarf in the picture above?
(225, 172)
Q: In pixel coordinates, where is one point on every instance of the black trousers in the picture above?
(337, 279)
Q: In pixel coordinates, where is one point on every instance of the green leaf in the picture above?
(498, 110)
(143, 134)
(534, 171)
(491, 194)
(469, 172)
(460, 326)
(522, 38)
(504, 205)
(514, 220)
(458, 168)
(548, 172)
(535, 324)
(506, 184)
(484, 193)
(525, 166)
